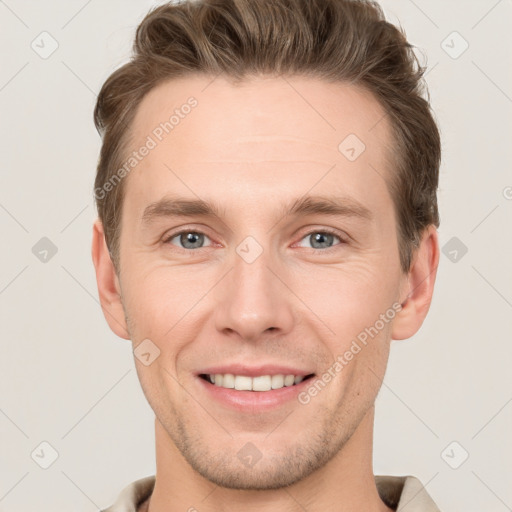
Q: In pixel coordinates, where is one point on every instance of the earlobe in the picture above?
(418, 287)
(108, 284)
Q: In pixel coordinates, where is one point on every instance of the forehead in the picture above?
(297, 110)
(267, 132)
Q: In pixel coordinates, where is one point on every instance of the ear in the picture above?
(109, 289)
(418, 286)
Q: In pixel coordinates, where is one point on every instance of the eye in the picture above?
(191, 240)
(188, 239)
(321, 239)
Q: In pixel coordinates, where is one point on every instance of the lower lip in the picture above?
(253, 401)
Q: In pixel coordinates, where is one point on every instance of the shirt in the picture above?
(395, 491)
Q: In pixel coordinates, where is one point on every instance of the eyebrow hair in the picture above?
(329, 205)
(179, 207)
(308, 205)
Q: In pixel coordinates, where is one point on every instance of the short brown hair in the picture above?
(346, 41)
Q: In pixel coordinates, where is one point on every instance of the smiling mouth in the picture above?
(259, 383)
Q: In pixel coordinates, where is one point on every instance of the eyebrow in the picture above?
(307, 205)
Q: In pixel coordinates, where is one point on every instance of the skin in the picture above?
(254, 148)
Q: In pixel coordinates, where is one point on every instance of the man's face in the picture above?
(255, 285)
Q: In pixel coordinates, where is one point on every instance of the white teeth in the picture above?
(263, 383)
(242, 383)
(277, 381)
(260, 383)
(288, 380)
(228, 381)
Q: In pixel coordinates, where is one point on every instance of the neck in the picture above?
(345, 484)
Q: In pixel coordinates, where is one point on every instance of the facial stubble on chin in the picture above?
(273, 471)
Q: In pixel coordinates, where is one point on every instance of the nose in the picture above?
(252, 301)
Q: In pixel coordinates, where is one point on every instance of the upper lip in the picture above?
(254, 371)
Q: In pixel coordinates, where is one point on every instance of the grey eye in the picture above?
(190, 239)
(320, 240)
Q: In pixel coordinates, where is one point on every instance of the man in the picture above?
(267, 225)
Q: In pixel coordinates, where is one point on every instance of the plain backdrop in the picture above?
(444, 413)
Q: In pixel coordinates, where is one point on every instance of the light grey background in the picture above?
(65, 379)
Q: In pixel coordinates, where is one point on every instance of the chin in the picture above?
(253, 479)
(251, 469)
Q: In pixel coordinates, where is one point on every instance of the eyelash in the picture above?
(324, 231)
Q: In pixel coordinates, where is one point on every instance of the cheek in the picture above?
(160, 389)
(162, 305)
(159, 298)
(363, 367)
(346, 300)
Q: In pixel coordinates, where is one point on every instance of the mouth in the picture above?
(258, 383)
(253, 389)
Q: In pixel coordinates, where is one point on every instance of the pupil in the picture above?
(322, 238)
(195, 239)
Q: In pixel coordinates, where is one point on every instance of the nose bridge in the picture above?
(252, 299)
